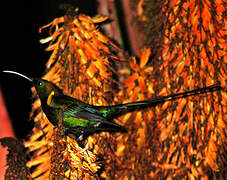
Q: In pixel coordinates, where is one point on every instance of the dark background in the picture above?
(22, 52)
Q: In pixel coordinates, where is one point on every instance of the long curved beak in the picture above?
(19, 74)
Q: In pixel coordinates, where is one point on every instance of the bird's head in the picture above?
(43, 87)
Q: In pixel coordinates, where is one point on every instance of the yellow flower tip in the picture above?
(45, 40)
(99, 18)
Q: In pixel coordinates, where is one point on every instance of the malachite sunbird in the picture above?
(80, 118)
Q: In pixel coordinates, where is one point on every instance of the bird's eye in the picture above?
(40, 83)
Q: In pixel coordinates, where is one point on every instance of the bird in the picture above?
(82, 119)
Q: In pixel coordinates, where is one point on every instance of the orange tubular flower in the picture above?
(185, 138)
(180, 139)
(80, 65)
(193, 56)
(132, 150)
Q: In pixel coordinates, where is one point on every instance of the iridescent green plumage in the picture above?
(80, 118)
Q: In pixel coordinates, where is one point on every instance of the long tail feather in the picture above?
(161, 99)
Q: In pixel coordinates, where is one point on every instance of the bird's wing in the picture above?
(87, 112)
(79, 109)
